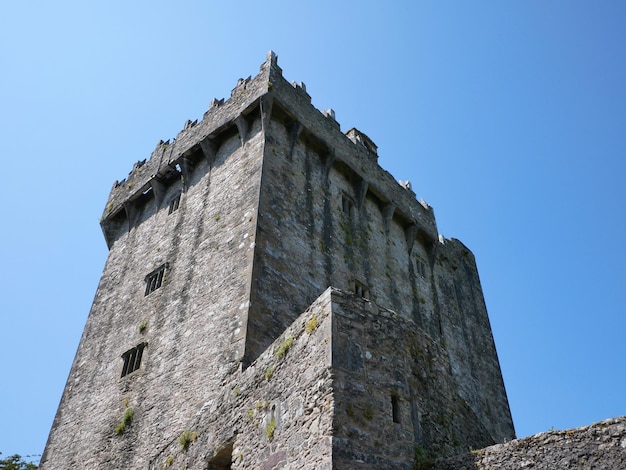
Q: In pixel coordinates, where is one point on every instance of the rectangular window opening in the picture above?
(347, 205)
(132, 359)
(155, 279)
(421, 267)
(361, 290)
(174, 203)
(395, 409)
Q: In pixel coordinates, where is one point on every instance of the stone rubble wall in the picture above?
(382, 361)
(601, 446)
(277, 413)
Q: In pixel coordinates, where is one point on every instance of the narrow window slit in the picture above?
(361, 290)
(347, 205)
(174, 203)
(395, 409)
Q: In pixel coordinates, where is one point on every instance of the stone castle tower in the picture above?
(273, 298)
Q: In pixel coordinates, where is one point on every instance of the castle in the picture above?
(273, 298)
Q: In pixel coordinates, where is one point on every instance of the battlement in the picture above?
(258, 98)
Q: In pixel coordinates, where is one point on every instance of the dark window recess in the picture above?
(174, 203)
(361, 290)
(222, 460)
(421, 267)
(155, 279)
(347, 205)
(132, 359)
(395, 409)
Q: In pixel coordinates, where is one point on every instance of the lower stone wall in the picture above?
(394, 391)
(599, 446)
(277, 413)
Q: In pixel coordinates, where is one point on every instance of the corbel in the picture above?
(242, 126)
(329, 160)
(186, 168)
(361, 192)
(131, 213)
(266, 105)
(296, 129)
(410, 232)
(209, 151)
(158, 189)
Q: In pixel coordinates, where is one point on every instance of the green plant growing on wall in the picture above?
(127, 419)
(421, 460)
(142, 326)
(169, 461)
(268, 373)
(270, 428)
(283, 349)
(236, 391)
(186, 438)
(311, 325)
(217, 217)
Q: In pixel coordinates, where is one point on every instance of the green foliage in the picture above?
(268, 373)
(127, 419)
(186, 438)
(16, 462)
(142, 326)
(311, 325)
(283, 349)
(169, 461)
(270, 428)
(422, 461)
(236, 391)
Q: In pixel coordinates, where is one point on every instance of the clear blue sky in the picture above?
(509, 118)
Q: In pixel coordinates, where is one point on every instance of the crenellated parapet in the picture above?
(260, 97)
(169, 160)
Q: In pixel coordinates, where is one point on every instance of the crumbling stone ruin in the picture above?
(598, 446)
(273, 298)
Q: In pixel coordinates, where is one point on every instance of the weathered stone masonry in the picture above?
(218, 244)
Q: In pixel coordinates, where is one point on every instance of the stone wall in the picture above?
(348, 384)
(252, 213)
(601, 446)
(323, 222)
(194, 324)
(393, 390)
(277, 413)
